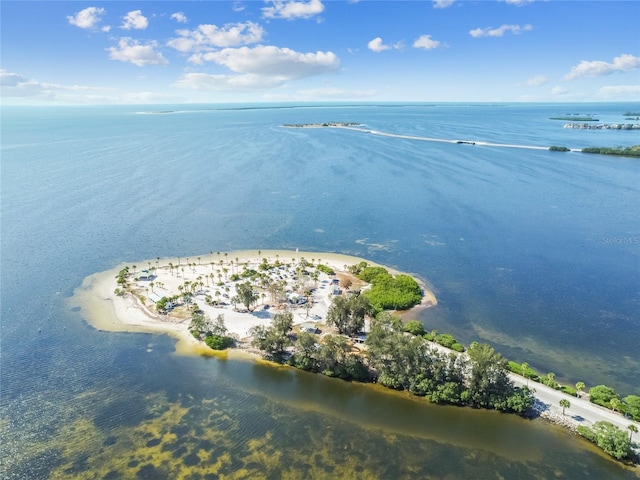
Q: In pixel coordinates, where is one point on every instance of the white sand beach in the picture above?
(136, 312)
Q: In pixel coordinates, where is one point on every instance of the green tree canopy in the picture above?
(414, 327)
(246, 295)
(602, 395)
(347, 313)
(632, 406)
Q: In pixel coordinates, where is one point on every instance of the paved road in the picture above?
(581, 411)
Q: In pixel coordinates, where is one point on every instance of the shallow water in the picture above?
(521, 248)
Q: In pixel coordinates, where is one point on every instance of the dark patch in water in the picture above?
(153, 442)
(191, 460)
(133, 463)
(180, 430)
(110, 440)
(149, 472)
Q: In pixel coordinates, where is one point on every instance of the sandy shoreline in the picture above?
(104, 310)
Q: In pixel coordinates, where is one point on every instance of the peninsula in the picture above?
(338, 309)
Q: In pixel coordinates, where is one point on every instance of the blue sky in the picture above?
(121, 52)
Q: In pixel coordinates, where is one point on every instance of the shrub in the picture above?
(431, 336)
(457, 347)
(607, 436)
(556, 148)
(602, 395)
(569, 390)
(445, 339)
(414, 327)
(369, 274)
(389, 293)
(217, 342)
(326, 269)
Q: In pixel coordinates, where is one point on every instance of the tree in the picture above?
(246, 295)
(632, 429)
(549, 380)
(614, 403)
(632, 404)
(489, 384)
(218, 327)
(580, 388)
(525, 369)
(348, 313)
(564, 403)
(305, 350)
(282, 323)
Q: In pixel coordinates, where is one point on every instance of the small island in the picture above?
(343, 317)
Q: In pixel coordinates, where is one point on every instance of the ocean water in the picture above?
(535, 252)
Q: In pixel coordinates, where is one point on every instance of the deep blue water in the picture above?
(535, 252)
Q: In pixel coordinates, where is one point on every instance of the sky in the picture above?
(164, 52)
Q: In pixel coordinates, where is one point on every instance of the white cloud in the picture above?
(134, 20)
(292, 9)
(442, 3)
(205, 37)
(129, 50)
(633, 91)
(87, 18)
(426, 42)
(558, 90)
(18, 86)
(258, 68)
(597, 68)
(500, 31)
(518, 3)
(535, 81)
(376, 45)
(274, 62)
(203, 81)
(179, 17)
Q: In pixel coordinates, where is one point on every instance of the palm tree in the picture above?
(580, 388)
(564, 403)
(198, 260)
(549, 379)
(171, 268)
(134, 269)
(157, 261)
(615, 404)
(525, 370)
(632, 429)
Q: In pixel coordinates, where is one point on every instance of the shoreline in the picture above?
(101, 308)
(106, 311)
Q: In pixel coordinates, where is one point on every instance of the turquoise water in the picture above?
(533, 251)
